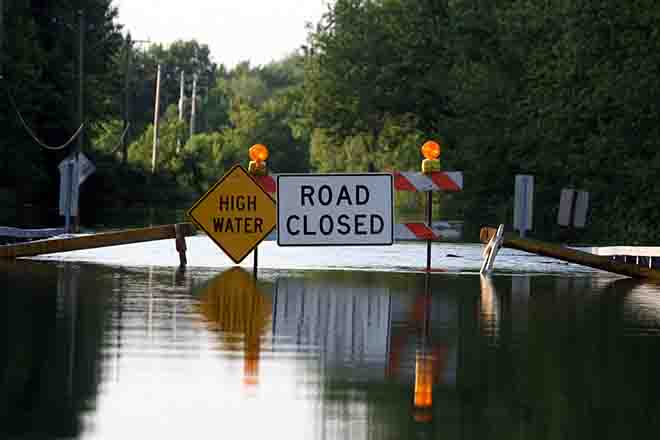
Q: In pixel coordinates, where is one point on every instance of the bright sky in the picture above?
(235, 30)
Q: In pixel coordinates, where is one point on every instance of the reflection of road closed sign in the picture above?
(334, 209)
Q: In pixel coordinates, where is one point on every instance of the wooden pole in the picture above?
(81, 113)
(81, 78)
(44, 247)
(180, 231)
(193, 108)
(179, 141)
(181, 95)
(154, 154)
(572, 255)
(127, 99)
(2, 37)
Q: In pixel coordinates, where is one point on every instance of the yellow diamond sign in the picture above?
(236, 213)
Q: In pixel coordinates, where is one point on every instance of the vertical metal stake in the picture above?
(427, 305)
(256, 260)
(69, 196)
(429, 220)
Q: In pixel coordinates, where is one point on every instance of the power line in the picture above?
(31, 132)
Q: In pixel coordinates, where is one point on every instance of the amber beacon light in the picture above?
(431, 153)
(431, 150)
(258, 153)
(258, 156)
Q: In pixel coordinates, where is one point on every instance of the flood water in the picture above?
(120, 351)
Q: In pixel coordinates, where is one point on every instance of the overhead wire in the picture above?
(121, 139)
(32, 134)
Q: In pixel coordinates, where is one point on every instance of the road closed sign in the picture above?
(334, 209)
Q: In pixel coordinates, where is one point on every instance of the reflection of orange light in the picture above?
(251, 369)
(423, 416)
(423, 381)
(258, 153)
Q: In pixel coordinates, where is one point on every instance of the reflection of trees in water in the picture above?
(53, 329)
(539, 357)
(573, 370)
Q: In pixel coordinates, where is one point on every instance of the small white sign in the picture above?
(581, 208)
(524, 204)
(335, 209)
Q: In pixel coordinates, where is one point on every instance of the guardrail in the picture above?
(65, 244)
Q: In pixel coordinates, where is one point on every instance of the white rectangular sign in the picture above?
(524, 204)
(334, 209)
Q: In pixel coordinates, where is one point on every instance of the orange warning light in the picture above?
(258, 153)
(431, 150)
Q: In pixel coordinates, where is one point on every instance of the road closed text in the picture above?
(344, 224)
(323, 209)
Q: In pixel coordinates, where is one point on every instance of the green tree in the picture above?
(41, 74)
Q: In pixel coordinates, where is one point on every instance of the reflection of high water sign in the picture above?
(334, 209)
(236, 213)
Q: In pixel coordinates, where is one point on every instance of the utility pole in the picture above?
(193, 110)
(128, 116)
(81, 79)
(181, 98)
(181, 94)
(81, 119)
(2, 38)
(127, 99)
(154, 156)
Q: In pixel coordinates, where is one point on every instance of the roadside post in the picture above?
(431, 163)
(74, 170)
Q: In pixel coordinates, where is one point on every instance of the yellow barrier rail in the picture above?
(55, 245)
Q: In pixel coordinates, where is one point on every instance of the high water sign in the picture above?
(334, 209)
(236, 213)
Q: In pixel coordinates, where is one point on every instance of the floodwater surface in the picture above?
(94, 351)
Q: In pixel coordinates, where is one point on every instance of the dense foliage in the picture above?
(566, 91)
(39, 66)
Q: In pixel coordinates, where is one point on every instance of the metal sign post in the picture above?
(429, 223)
(431, 163)
(73, 173)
